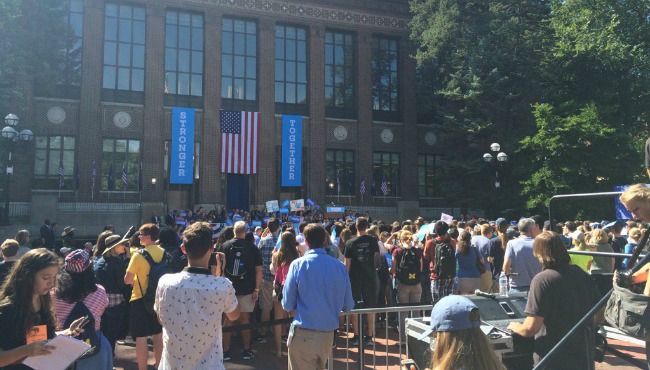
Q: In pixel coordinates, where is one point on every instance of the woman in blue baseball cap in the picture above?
(460, 343)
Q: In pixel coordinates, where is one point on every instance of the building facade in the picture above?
(344, 66)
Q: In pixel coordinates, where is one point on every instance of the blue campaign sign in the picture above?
(291, 150)
(294, 219)
(336, 209)
(181, 170)
(257, 223)
(284, 210)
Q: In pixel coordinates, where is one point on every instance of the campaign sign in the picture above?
(272, 206)
(294, 219)
(297, 205)
(284, 210)
(182, 160)
(285, 203)
(257, 223)
(291, 150)
(336, 209)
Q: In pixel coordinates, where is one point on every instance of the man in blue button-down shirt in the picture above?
(318, 289)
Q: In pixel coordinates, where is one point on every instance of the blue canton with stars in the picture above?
(230, 122)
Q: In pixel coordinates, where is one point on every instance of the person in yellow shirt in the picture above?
(142, 320)
(580, 260)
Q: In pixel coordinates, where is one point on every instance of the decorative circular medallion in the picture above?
(56, 115)
(430, 138)
(122, 119)
(340, 133)
(386, 136)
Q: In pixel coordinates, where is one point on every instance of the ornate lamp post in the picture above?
(11, 135)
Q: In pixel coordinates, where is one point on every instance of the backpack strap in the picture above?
(147, 256)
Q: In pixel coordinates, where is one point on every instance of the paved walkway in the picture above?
(386, 355)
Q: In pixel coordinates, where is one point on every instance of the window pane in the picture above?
(125, 30)
(183, 60)
(40, 164)
(170, 88)
(239, 44)
(251, 45)
(197, 62)
(170, 36)
(68, 143)
(301, 95)
(123, 77)
(279, 48)
(291, 71)
(238, 90)
(170, 59)
(250, 90)
(197, 39)
(279, 70)
(109, 52)
(227, 24)
(134, 146)
(120, 146)
(184, 19)
(137, 82)
(197, 20)
(226, 88)
(53, 163)
(251, 69)
(302, 51)
(183, 83)
(110, 29)
(226, 65)
(138, 13)
(291, 93)
(109, 78)
(291, 49)
(171, 17)
(124, 55)
(226, 42)
(279, 92)
(240, 65)
(184, 37)
(138, 32)
(197, 85)
(68, 162)
(111, 10)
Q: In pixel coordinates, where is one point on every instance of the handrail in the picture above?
(577, 196)
(602, 254)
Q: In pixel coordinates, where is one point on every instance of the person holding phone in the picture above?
(77, 286)
(26, 317)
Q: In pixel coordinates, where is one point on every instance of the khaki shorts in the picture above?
(266, 295)
(246, 302)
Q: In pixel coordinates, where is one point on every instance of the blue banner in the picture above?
(310, 202)
(294, 219)
(257, 223)
(284, 210)
(291, 150)
(181, 170)
(285, 203)
(336, 209)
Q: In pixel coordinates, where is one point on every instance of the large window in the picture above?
(385, 87)
(339, 75)
(54, 153)
(68, 79)
(119, 157)
(386, 169)
(426, 175)
(239, 64)
(183, 59)
(340, 172)
(124, 37)
(290, 70)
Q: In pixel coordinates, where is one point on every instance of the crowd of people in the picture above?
(175, 283)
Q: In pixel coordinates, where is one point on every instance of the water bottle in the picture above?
(503, 285)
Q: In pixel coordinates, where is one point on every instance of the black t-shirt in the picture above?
(562, 296)
(241, 258)
(361, 250)
(495, 250)
(9, 339)
(5, 268)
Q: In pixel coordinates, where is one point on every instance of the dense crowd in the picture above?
(162, 281)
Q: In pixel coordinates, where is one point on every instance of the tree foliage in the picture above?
(562, 85)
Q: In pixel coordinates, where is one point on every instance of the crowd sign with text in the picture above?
(272, 206)
(291, 150)
(297, 205)
(182, 160)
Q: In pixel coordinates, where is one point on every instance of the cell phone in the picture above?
(506, 307)
(81, 324)
(409, 364)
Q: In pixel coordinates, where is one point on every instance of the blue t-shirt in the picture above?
(467, 264)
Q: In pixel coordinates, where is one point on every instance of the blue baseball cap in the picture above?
(452, 313)
(501, 222)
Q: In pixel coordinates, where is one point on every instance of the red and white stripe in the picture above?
(239, 151)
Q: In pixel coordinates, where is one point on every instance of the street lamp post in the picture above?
(11, 135)
(501, 158)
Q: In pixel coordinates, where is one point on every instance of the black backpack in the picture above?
(156, 271)
(445, 260)
(89, 335)
(408, 271)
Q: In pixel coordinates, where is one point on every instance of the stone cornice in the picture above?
(308, 12)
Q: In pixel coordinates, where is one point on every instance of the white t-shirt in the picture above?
(190, 306)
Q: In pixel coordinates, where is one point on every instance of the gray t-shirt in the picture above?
(483, 245)
(602, 265)
(523, 262)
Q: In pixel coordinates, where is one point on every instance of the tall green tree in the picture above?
(594, 118)
(33, 41)
(479, 75)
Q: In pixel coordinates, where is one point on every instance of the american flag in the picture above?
(94, 174)
(338, 182)
(362, 186)
(125, 181)
(61, 175)
(239, 140)
(384, 186)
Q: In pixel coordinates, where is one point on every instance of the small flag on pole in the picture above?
(140, 177)
(94, 179)
(77, 177)
(362, 185)
(125, 181)
(384, 186)
(61, 175)
(110, 180)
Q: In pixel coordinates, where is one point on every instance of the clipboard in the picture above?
(67, 351)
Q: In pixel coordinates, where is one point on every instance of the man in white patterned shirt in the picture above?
(190, 305)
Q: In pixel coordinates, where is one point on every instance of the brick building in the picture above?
(344, 66)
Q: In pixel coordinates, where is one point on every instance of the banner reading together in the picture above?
(291, 150)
